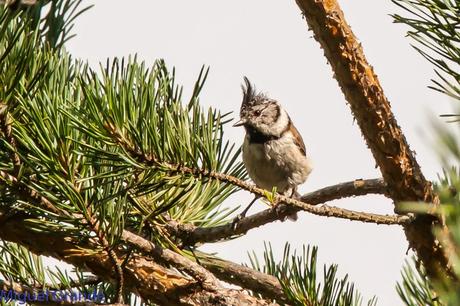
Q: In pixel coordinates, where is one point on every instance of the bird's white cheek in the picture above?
(281, 123)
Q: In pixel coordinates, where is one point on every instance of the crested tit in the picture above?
(273, 150)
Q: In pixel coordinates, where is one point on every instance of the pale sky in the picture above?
(268, 41)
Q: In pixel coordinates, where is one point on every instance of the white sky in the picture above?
(268, 42)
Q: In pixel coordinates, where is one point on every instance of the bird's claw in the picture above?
(285, 212)
(279, 209)
(236, 221)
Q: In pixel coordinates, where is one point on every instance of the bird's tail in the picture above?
(294, 216)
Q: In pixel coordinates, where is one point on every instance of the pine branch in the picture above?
(261, 283)
(297, 274)
(242, 274)
(190, 235)
(266, 285)
(237, 274)
(94, 225)
(145, 245)
(141, 273)
(204, 278)
(180, 262)
(28, 194)
(434, 27)
(146, 161)
(160, 129)
(6, 130)
(22, 288)
(415, 287)
(378, 125)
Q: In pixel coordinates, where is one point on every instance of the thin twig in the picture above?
(94, 225)
(6, 130)
(166, 255)
(30, 195)
(12, 178)
(190, 235)
(153, 161)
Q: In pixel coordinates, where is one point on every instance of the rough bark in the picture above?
(143, 276)
(190, 235)
(378, 125)
(266, 285)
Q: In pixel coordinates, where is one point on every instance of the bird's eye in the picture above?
(257, 112)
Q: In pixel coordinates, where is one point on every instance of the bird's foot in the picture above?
(237, 220)
(284, 212)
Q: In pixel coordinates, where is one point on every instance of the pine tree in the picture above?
(116, 173)
(435, 28)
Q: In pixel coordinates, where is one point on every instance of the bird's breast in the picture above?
(276, 163)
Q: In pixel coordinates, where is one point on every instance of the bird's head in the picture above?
(261, 113)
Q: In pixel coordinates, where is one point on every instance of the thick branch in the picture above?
(15, 286)
(266, 285)
(154, 272)
(143, 276)
(191, 235)
(21, 289)
(372, 111)
(179, 262)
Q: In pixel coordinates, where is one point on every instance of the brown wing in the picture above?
(297, 138)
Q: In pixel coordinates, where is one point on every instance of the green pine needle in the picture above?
(298, 277)
(435, 29)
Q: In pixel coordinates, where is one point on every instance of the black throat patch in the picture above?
(256, 136)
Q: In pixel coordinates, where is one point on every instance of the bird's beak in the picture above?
(239, 123)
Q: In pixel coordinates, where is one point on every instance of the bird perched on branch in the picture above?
(273, 150)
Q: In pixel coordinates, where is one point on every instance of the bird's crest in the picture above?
(250, 95)
(249, 92)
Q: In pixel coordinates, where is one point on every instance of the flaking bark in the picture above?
(143, 276)
(378, 125)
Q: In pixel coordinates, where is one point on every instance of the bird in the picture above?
(274, 152)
